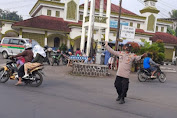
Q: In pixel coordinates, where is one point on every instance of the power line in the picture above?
(13, 2)
(167, 4)
(19, 7)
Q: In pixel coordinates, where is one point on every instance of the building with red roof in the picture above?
(54, 23)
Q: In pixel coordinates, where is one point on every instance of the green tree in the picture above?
(173, 13)
(176, 32)
(157, 49)
(171, 31)
(63, 47)
(7, 15)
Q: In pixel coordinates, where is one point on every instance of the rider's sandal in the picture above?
(17, 84)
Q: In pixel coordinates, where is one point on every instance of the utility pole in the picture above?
(118, 28)
(92, 39)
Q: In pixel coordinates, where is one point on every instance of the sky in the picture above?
(23, 7)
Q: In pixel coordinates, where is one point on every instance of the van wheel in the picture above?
(5, 55)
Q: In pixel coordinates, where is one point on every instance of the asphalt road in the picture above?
(65, 96)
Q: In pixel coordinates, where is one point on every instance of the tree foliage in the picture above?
(173, 13)
(134, 47)
(171, 31)
(157, 49)
(7, 15)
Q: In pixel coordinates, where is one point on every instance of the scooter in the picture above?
(145, 74)
(9, 71)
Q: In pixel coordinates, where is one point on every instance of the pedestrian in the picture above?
(88, 60)
(107, 56)
(78, 52)
(122, 77)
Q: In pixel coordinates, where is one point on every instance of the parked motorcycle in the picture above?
(9, 71)
(145, 74)
(47, 51)
(59, 56)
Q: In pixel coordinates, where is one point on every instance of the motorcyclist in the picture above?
(39, 55)
(147, 64)
(28, 56)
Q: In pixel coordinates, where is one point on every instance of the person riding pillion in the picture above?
(125, 63)
(39, 55)
(28, 56)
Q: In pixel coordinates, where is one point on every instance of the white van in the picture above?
(12, 46)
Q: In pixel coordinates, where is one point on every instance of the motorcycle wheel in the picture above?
(38, 79)
(4, 76)
(162, 77)
(141, 78)
(64, 61)
(58, 62)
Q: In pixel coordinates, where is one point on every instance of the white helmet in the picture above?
(28, 46)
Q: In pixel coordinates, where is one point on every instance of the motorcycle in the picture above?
(47, 51)
(57, 56)
(9, 71)
(145, 74)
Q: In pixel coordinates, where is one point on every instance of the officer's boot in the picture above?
(118, 98)
(122, 101)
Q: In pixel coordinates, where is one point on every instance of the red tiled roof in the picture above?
(114, 8)
(46, 22)
(165, 37)
(141, 31)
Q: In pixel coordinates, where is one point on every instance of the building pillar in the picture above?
(68, 44)
(82, 45)
(101, 15)
(20, 33)
(45, 40)
(174, 54)
(91, 26)
(108, 13)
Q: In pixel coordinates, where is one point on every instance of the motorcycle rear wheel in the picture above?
(140, 77)
(5, 77)
(38, 79)
(64, 61)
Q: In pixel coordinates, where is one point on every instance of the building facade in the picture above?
(54, 22)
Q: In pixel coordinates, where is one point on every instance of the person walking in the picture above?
(122, 77)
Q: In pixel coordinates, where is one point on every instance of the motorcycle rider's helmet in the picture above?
(45, 47)
(149, 55)
(28, 46)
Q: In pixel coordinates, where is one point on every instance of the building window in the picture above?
(48, 12)
(162, 29)
(81, 17)
(71, 10)
(151, 23)
(138, 26)
(131, 24)
(57, 13)
(157, 28)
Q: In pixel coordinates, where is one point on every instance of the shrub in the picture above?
(63, 47)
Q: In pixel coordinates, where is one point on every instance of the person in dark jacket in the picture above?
(28, 56)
